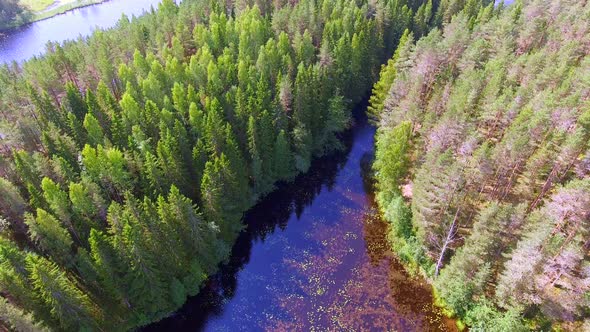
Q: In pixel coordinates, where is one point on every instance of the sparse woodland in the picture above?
(483, 163)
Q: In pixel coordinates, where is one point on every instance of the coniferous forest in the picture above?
(129, 156)
(482, 163)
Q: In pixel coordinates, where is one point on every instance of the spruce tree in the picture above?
(282, 158)
(94, 131)
(146, 287)
(75, 103)
(98, 111)
(14, 278)
(223, 202)
(108, 265)
(51, 237)
(68, 303)
(392, 160)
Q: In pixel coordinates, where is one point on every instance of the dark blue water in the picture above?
(314, 258)
(27, 41)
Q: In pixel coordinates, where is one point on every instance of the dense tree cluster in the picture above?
(483, 162)
(129, 157)
(11, 13)
(8, 11)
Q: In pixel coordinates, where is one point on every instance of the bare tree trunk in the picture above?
(497, 183)
(55, 98)
(555, 174)
(546, 186)
(502, 194)
(450, 237)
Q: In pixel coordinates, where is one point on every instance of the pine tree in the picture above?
(213, 131)
(58, 202)
(109, 168)
(179, 98)
(76, 130)
(62, 145)
(200, 156)
(338, 118)
(437, 204)
(106, 100)
(87, 204)
(26, 168)
(304, 48)
(119, 132)
(266, 135)
(303, 97)
(422, 18)
(260, 159)
(466, 277)
(157, 182)
(46, 109)
(196, 236)
(302, 141)
(130, 107)
(237, 170)
(170, 157)
(63, 170)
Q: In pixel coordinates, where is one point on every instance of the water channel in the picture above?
(314, 257)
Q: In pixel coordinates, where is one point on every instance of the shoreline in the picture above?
(60, 10)
(416, 270)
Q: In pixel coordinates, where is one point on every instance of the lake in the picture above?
(29, 40)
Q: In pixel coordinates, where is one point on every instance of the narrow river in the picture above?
(314, 258)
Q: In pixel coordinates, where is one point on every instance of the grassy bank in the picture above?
(37, 10)
(51, 9)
